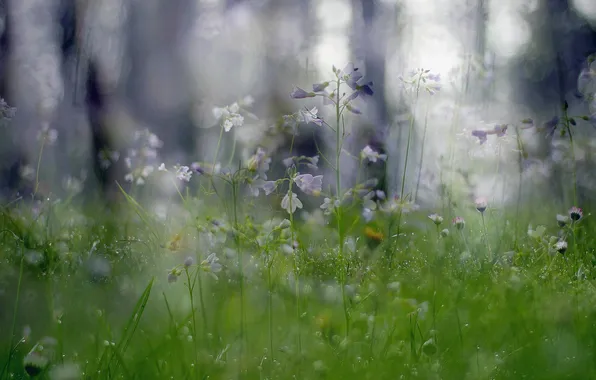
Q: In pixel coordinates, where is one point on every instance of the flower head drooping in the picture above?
(562, 220)
(459, 222)
(575, 213)
(309, 184)
(291, 205)
(436, 219)
(481, 204)
(173, 275)
(561, 247)
(444, 233)
(369, 154)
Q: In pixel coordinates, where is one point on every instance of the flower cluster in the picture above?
(228, 116)
(351, 76)
(422, 78)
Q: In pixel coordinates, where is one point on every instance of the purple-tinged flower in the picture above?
(481, 204)
(211, 265)
(254, 186)
(259, 163)
(269, 187)
(288, 162)
(173, 275)
(183, 173)
(313, 162)
(575, 213)
(361, 90)
(482, 135)
(318, 87)
(310, 116)
(189, 261)
(309, 184)
(298, 93)
(353, 109)
(369, 154)
(500, 130)
(290, 205)
(434, 77)
(459, 222)
(350, 75)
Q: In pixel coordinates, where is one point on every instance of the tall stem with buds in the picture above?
(342, 260)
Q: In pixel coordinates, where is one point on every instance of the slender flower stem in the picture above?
(296, 270)
(342, 260)
(410, 130)
(270, 307)
(203, 310)
(43, 143)
(403, 176)
(422, 152)
(240, 264)
(191, 285)
(221, 132)
(490, 254)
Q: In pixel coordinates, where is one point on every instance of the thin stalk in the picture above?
(412, 120)
(519, 185)
(221, 132)
(490, 254)
(193, 313)
(342, 261)
(203, 310)
(403, 177)
(270, 307)
(43, 143)
(422, 152)
(240, 264)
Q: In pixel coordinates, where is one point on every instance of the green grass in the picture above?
(419, 306)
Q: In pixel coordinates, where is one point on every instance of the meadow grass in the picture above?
(436, 307)
(222, 285)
